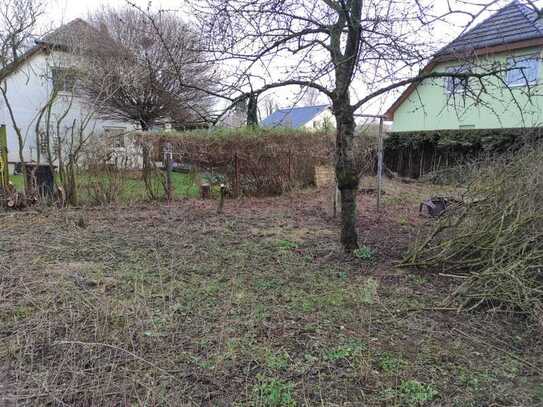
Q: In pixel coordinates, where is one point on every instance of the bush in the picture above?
(495, 236)
(252, 162)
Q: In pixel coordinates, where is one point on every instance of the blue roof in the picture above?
(293, 117)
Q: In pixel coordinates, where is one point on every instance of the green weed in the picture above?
(416, 393)
(267, 284)
(287, 245)
(368, 292)
(538, 396)
(346, 351)
(364, 253)
(273, 393)
(277, 361)
(417, 279)
(390, 363)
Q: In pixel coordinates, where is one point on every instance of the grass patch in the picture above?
(133, 189)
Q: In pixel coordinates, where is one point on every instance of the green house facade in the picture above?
(507, 50)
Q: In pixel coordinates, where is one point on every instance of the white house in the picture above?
(305, 117)
(65, 115)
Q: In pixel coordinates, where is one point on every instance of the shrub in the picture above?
(103, 184)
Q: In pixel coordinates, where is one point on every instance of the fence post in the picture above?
(168, 156)
(221, 200)
(380, 165)
(4, 171)
(290, 167)
(237, 188)
(169, 185)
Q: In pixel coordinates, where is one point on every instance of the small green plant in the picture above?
(267, 284)
(277, 361)
(364, 253)
(345, 351)
(390, 363)
(474, 380)
(415, 393)
(538, 394)
(287, 245)
(261, 312)
(418, 279)
(368, 292)
(273, 393)
(342, 275)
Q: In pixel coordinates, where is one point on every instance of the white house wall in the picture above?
(320, 119)
(28, 90)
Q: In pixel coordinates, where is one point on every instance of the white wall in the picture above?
(319, 120)
(29, 89)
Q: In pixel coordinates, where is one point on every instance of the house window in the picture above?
(115, 136)
(48, 143)
(44, 143)
(523, 70)
(456, 85)
(64, 79)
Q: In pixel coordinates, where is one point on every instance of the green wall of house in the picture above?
(430, 107)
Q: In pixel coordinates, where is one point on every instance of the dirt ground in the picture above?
(153, 305)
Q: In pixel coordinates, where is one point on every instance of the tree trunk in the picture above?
(144, 125)
(20, 138)
(346, 174)
(252, 111)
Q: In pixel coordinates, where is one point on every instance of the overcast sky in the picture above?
(62, 11)
(66, 10)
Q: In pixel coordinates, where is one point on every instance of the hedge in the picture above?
(413, 154)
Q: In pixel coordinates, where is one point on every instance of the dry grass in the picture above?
(177, 305)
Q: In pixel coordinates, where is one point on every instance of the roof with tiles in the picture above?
(514, 22)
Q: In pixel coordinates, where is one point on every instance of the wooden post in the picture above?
(221, 200)
(289, 166)
(169, 184)
(237, 187)
(4, 171)
(380, 165)
(337, 200)
(168, 157)
(205, 191)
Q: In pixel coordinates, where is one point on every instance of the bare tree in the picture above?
(311, 96)
(18, 25)
(268, 105)
(146, 79)
(332, 46)
(18, 19)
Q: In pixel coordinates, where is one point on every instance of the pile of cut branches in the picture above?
(493, 240)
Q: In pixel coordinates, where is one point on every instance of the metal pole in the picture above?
(380, 165)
